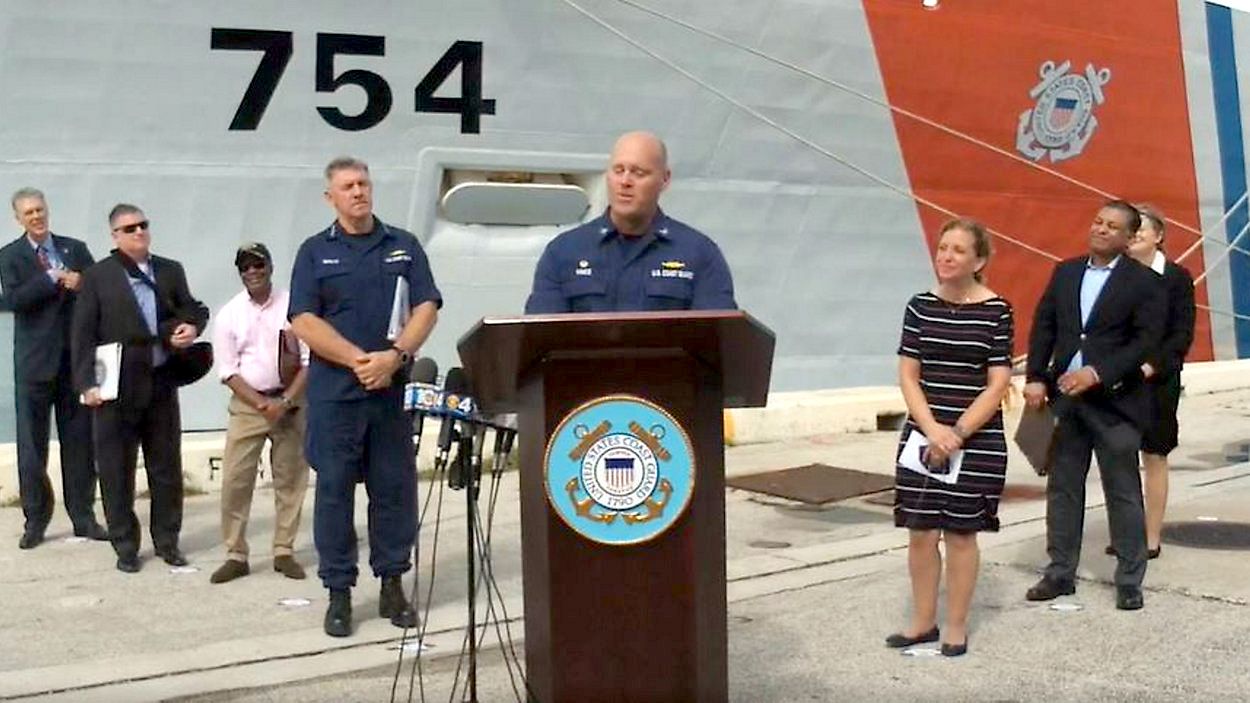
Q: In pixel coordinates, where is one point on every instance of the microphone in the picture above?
(505, 434)
(421, 396)
(497, 455)
(473, 480)
(455, 405)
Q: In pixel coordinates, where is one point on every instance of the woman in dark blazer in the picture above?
(1162, 368)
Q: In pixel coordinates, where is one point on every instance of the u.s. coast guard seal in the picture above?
(1061, 122)
(619, 470)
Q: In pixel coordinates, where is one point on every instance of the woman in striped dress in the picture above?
(954, 369)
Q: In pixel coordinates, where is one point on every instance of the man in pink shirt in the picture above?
(265, 405)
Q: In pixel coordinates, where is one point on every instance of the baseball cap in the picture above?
(254, 250)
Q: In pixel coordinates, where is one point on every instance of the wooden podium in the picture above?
(623, 622)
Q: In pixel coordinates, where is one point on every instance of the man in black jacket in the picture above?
(141, 301)
(1097, 322)
(41, 273)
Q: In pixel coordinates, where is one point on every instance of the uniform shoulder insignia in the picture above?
(397, 255)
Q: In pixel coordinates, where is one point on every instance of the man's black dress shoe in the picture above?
(339, 615)
(954, 650)
(92, 531)
(1047, 589)
(31, 538)
(393, 604)
(1129, 598)
(898, 640)
(129, 563)
(172, 556)
(1150, 553)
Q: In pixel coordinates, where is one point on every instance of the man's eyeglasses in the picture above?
(251, 266)
(131, 229)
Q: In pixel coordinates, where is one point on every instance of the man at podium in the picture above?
(633, 256)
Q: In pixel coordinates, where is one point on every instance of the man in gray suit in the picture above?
(41, 273)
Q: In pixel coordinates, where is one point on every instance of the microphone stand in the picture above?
(418, 424)
(465, 457)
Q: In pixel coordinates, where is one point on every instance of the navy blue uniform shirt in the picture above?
(593, 268)
(349, 281)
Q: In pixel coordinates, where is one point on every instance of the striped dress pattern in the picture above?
(955, 345)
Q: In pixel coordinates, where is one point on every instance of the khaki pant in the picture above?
(245, 437)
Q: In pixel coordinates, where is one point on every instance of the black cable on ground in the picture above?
(414, 602)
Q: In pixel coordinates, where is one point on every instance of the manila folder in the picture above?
(1035, 437)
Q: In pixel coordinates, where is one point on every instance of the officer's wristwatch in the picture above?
(404, 355)
(286, 402)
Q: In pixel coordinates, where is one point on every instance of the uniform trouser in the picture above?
(34, 403)
(119, 433)
(368, 439)
(1084, 429)
(246, 432)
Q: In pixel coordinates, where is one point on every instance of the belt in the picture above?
(273, 393)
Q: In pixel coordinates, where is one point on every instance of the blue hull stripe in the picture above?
(1232, 158)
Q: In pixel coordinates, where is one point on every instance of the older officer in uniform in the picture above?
(343, 285)
(633, 257)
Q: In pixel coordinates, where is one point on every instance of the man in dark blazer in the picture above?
(41, 273)
(1096, 324)
(141, 301)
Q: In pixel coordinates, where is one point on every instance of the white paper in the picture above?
(400, 310)
(108, 369)
(411, 644)
(910, 459)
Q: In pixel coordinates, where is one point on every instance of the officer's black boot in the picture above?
(393, 604)
(339, 614)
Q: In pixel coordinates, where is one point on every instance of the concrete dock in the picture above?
(812, 593)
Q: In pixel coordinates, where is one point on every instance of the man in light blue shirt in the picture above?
(1092, 283)
(142, 302)
(146, 298)
(1099, 319)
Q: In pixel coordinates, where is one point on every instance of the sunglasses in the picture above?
(131, 229)
(252, 266)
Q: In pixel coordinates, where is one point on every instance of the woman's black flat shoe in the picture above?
(954, 650)
(898, 640)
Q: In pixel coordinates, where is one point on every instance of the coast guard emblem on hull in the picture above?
(619, 470)
(1062, 121)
